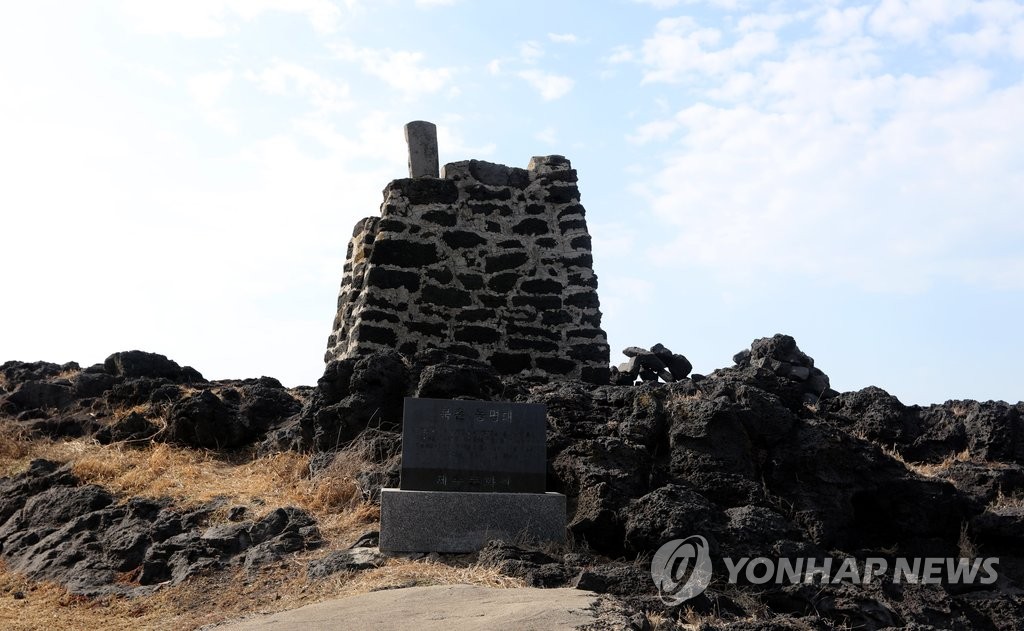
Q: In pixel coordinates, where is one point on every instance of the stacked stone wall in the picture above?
(489, 262)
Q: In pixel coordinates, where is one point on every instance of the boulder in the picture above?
(345, 561)
(132, 364)
(41, 395)
(669, 512)
(600, 477)
(441, 375)
(204, 420)
(133, 427)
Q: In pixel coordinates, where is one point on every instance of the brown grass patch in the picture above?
(929, 469)
(68, 374)
(193, 477)
(15, 446)
(960, 410)
(965, 545)
(1007, 501)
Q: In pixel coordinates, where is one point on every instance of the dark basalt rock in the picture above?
(440, 375)
(536, 567)
(744, 456)
(670, 512)
(600, 476)
(131, 364)
(30, 395)
(650, 365)
(345, 561)
(265, 403)
(15, 372)
(350, 395)
(205, 420)
(780, 355)
(874, 414)
(54, 528)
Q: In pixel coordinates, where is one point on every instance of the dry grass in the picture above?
(15, 447)
(68, 374)
(965, 545)
(1004, 501)
(960, 410)
(929, 469)
(193, 477)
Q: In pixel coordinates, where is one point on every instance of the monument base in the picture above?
(452, 521)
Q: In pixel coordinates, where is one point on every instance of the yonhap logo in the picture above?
(681, 569)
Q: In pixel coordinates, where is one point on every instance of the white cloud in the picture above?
(680, 46)
(667, 4)
(620, 54)
(622, 296)
(401, 69)
(282, 77)
(765, 21)
(659, 4)
(822, 163)
(494, 67)
(654, 130)
(548, 135)
(530, 52)
(208, 91)
(550, 86)
(1017, 40)
(980, 43)
(211, 18)
(913, 20)
(842, 24)
(563, 38)
(999, 30)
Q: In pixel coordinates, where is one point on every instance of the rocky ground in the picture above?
(763, 459)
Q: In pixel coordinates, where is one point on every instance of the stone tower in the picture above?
(486, 261)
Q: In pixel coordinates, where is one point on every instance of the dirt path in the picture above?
(437, 608)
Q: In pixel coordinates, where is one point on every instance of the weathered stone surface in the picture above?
(345, 561)
(391, 279)
(439, 521)
(463, 239)
(542, 286)
(531, 226)
(131, 364)
(421, 138)
(403, 253)
(473, 446)
(415, 272)
(425, 190)
(440, 217)
(504, 262)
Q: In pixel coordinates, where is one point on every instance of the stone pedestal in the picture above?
(456, 522)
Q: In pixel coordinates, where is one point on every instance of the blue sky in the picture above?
(183, 177)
